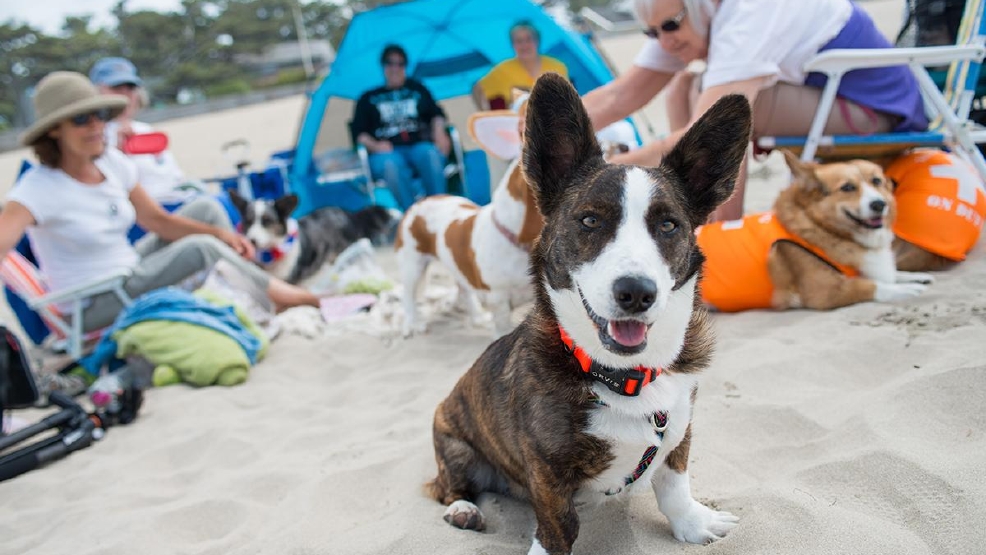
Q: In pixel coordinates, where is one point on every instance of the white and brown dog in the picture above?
(826, 244)
(485, 248)
(593, 393)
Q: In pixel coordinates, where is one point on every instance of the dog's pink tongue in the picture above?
(628, 333)
(876, 222)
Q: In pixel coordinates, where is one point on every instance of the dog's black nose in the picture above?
(878, 205)
(634, 294)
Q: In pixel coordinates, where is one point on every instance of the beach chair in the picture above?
(23, 280)
(948, 110)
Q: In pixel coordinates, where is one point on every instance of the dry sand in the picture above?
(855, 431)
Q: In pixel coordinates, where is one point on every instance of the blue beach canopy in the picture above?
(450, 44)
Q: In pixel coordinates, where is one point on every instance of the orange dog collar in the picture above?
(619, 380)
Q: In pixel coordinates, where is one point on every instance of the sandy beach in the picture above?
(855, 431)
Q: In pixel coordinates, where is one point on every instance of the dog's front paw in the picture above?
(465, 515)
(888, 292)
(702, 524)
(914, 277)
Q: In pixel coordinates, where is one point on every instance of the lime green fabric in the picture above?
(183, 352)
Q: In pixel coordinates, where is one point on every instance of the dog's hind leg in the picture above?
(412, 266)
(500, 304)
(467, 300)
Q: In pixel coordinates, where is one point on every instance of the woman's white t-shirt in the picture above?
(81, 230)
(759, 38)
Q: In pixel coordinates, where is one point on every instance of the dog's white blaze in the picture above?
(876, 238)
(260, 236)
(632, 252)
(870, 194)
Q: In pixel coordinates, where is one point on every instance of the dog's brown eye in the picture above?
(667, 226)
(591, 222)
(877, 181)
(847, 188)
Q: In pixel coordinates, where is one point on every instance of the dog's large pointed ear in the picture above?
(802, 173)
(286, 205)
(558, 138)
(708, 157)
(239, 202)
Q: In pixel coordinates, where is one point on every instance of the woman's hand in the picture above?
(443, 144)
(380, 147)
(238, 243)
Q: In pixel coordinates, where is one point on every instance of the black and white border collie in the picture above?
(295, 250)
(593, 393)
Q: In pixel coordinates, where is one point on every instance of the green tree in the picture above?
(28, 55)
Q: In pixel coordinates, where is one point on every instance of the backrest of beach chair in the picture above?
(22, 278)
(31, 322)
(963, 75)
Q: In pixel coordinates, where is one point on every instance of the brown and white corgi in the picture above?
(826, 244)
(593, 393)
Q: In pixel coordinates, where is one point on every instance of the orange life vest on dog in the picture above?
(735, 275)
(940, 202)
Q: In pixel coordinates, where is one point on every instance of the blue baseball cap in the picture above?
(111, 72)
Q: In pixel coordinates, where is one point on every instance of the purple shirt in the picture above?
(892, 90)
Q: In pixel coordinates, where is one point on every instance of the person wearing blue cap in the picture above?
(158, 173)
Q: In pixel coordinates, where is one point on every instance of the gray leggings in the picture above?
(163, 263)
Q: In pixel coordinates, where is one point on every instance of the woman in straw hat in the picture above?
(79, 203)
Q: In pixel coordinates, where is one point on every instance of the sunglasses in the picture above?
(667, 26)
(395, 63)
(103, 114)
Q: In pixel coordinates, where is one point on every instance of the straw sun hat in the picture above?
(62, 95)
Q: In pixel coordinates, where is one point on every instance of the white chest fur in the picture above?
(626, 422)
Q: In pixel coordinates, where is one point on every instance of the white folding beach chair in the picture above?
(27, 282)
(948, 110)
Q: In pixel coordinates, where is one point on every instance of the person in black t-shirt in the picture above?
(403, 128)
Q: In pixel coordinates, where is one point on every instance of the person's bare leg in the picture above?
(284, 295)
(679, 99)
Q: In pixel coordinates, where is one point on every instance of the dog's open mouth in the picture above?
(869, 223)
(625, 336)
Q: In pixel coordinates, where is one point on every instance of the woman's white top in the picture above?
(81, 229)
(759, 38)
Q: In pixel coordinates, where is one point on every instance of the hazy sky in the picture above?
(49, 14)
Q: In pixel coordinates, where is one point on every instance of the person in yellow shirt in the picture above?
(493, 91)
